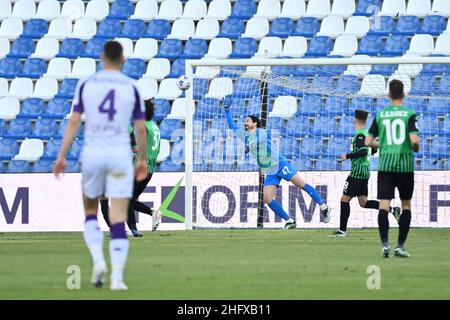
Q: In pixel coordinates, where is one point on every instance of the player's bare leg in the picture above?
(118, 246)
(383, 226)
(404, 223)
(93, 238)
(269, 193)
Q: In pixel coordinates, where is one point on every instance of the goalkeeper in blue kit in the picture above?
(275, 166)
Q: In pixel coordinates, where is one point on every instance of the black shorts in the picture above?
(355, 187)
(388, 181)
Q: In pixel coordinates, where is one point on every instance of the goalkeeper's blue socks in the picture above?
(314, 194)
(278, 209)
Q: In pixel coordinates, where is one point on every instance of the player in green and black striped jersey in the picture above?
(398, 138)
(356, 183)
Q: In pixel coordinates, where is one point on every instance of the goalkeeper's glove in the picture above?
(227, 101)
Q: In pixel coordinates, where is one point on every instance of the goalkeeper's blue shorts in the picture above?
(286, 172)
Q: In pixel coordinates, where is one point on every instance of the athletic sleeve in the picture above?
(373, 131)
(78, 105)
(362, 149)
(139, 106)
(238, 132)
(412, 128)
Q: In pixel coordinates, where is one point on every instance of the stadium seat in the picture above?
(73, 166)
(219, 9)
(282, 28)
(324, 126)
(403, 78)
(93, 48)
(275, 125)
(18, 166)
(318, 8)
(121, 9)
(32, 108)
(440, 147)
(59, 28)
(145, 10)
(343, 8)
(21, 48)
(331, 26)
(44, 128)
(438, 107)
(302, 164)
(178, 68)
(207, 29)
(145, 49)
(11, 28)
(73, 9)
(46, 48)
(444, 87)
(383, 103)
(418, 8)
(182, 29)
(24, 9)
(337, 146)
(345, 45)
(424, 84)
(4, 47)
(52, 149)
(284, 107)
(430, 164)
(42, 166)
(384, 69)
(256, 28)
(83, 67)
(417, 104)
(361, 103)
(97, 9)
(127, 45)
(370, 45)
(200, 88)
(21, 88)
(306, 27)
(348, 84)
(133, 29)
(170, 10)
(325, 164)
(195, 10)
(441, 7)
(298, 126)
(322, 83)
(158, 29)
(164, 150)
(9, 108)
(294, 47)
(19, 128)
(108, 28)
(8, 148)
(367, 7)
(75, 150)
(358, 26)
(167, 126)
(442, 45)
(178, 110)
(57, 108)
(33, 68)
(162, 109)
(134, 68)
(67, 88)
(310, 105)
(244, 48)
(393, 7)
(407, 25)
(433, 25)
(62, 128)
(346, 126)
(428, 125)
(421, 45)
(169, 166)
(195, 49)
(293, 9)
(168, 90)
(385, 26)
(232, 28)
(58, 68)
(4, 87)
(48, 10)
(269, 47)
(219, 88)
(157, 68)
(71, 48)
(5, 10)
(243, 9)
(373, 85)
(319, 46)
(269, 9)
(9, 67)
(35, 28)
(170, 49)
(395, 45)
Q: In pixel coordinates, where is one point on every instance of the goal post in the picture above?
(308, 105)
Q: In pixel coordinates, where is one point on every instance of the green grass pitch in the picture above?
(232, 264)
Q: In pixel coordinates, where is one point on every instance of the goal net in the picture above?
(308, 107)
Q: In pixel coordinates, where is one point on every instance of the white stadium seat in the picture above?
(293, 9)
(403, 78)
(72, 9)
(147, 87)
(269, 9)
(284, 107)
(127, 45)
(145, 49)
(419, 8)
(83, 67)
(48, 10)
(219, 9)
(46, 48)
(219, 88)
(58, 68)
(97, 9)
(45, 88)
(373, 85)
(164, 150)
(30, 150)
(270, 47)
(442, 44)
(343, 8)
(170, 10)
(345, 45)
(256, 28)
(4, 47)
(393, 8)
(24, 9)
(207, 29)
(332, 26)
(168, 90)
(295, 47)
(411, 70)
(178, 110)
(145, 10)
(219, 48)
(157, 68)
(21, 88)
(3, 87)
(421, 45)
(9, 108)
(206, 72)
(11, 28)
(5, 9)
(182, 29)
(84, 29)
(441, 7)
(194, 9)
(358, 26)
(59, 28)
(318, 8)
(359, 70)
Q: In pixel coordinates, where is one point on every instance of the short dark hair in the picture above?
(149, 110)
(396, 90)
(255, 119)
(113, 51)
(361, 115)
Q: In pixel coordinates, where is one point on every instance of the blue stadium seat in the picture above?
(167, 126)
(170, 49)
(8, 148)
(178, 68)
(19, 128)
(42, 166)
(73, 166)
(325, 164)
(195, 49)
(108, 28)
(336, 106)
(324, 126)
(232, 28)
(285, 70)
(35, 29)
(282, 28)
(302, 164)
(371, 45)
(244, 48)
(444, 86)
(289, 147)
(407, 25)
(33, 68)
(162, 109)
(134, 68)
(62, 128)
(348, 84)
(275, 123)
(419, 105)
(93, 48)
(32, 108)
(346, 126)
(208, 108)
(243, 9)
(296, 86)
(246, 88)
(2, 127)
(424, 84)
(67, 88)
(133, 29)
(44, 129)
(383, 69)
(2, 167)
(384, 26)
(52, 149)
(331, 70)
(231, 71)
(308, 71)
(345, 166)
(200, 88)
(395, 45)
(121, 9)
(436, 69)
(158, 29)
(367, 7)
(338, 146)
(361, 103)
(428, 164)
(440, 147)
(310, 105)
(319, 46)
(22, 48)
(57, 108)
(438, 106)
(382, 103)
(18, 166)
(71, 48)
(169, 166)
(9, 67)
(433, 24)
(75, 150)
(428, 125)
(311, 147)
(306, 27)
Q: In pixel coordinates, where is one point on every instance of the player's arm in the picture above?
(373, 133)
(413, 133)
(362, 149)
(227, 101)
